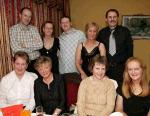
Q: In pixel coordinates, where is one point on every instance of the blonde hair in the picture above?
(42, 60)
(93, 24)
(127, 82)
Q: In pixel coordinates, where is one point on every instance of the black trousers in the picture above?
(116, 72)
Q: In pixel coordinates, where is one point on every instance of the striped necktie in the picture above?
(112, 44)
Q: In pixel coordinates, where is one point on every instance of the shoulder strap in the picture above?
(98, 44)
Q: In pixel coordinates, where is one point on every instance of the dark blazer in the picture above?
(124, 43)
(124, 50)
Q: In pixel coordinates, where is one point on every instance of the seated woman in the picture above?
(134, 97)
(17, 86)
(49, 88)
(87, 50)
(51, 45)
(96, 95)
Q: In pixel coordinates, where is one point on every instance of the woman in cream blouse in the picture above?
(96, 95)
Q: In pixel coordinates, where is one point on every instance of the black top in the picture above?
(124, 43)
(124, 50)
(52, 53)
(52, 97)
(135, 105)
(87, 58)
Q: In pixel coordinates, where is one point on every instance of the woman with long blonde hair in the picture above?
(134, 97)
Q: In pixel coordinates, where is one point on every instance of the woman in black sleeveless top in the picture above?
(88, 49)
(51, 45)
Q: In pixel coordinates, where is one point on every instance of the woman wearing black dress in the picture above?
(134, 97)
(88, 49)
(51, 45)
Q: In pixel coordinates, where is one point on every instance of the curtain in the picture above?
(5, 54)
(42, 10)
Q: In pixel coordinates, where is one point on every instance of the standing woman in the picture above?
(51, 45)
(134, 97)
(88, 49)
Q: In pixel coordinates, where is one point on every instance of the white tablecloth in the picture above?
(34, 114)
(116, 114)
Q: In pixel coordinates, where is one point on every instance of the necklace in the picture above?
(137, 90)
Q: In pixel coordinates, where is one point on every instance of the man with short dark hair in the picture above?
(119, 45)
(25, 37)
(69, 40)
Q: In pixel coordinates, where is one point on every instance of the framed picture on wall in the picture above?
(138, 25)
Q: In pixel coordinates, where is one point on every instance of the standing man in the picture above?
(119, 45)
(68, 44)
(25, 37)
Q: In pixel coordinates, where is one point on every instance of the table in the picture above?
(34, 114)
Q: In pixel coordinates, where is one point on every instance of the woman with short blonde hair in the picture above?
(49, 88)
(88, 49)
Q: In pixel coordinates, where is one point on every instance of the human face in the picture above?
(92, 32)
(20, 66)
(112, 19)
(48, 29)
(45, 70)
(25, 17)
(134, 70)
(99, 71)
(65, 24)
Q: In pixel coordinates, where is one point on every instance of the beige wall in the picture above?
(83, 11)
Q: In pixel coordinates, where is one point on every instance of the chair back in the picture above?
(12, 110)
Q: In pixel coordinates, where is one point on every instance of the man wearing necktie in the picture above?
(118, 43)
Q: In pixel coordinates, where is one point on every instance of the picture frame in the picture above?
(139, 25)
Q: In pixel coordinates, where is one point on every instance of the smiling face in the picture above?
(91, 32)
(25, 17)
(112, 19)
(45, 70)
(20, 66)
(65, 24)
(134, 70)
(99, 71)
(48, 29)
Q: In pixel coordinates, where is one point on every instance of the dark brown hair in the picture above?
(98, 59)
(65, 17)
(111, 10)
(43, 26)
(25, 8)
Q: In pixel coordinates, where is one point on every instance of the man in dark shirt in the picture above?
(123, 45)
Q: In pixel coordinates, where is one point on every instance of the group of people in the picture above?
(101, 58)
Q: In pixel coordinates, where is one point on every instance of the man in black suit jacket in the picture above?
(123, 43)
